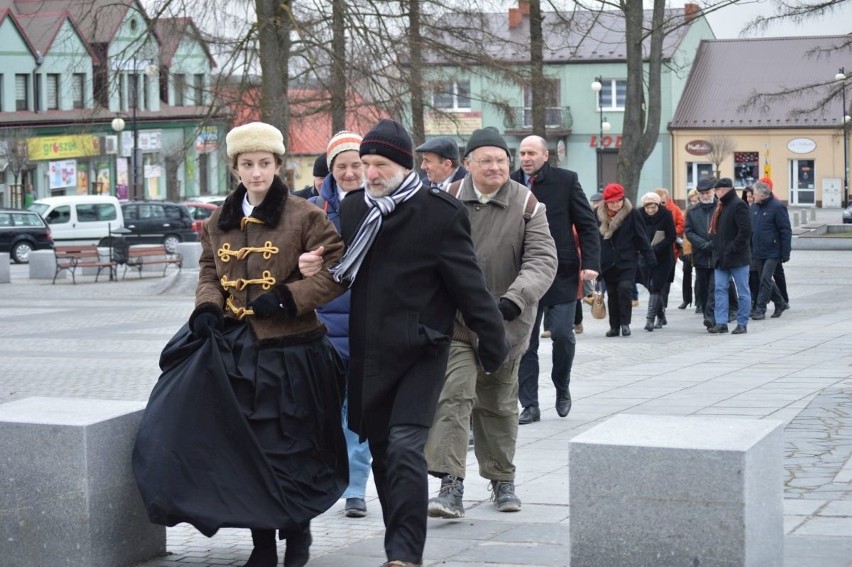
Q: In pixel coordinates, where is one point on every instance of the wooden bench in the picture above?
(86, 256)
(145, 255)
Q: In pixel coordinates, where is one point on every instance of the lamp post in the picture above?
(117, 126)
(844, 123)
(597, 85)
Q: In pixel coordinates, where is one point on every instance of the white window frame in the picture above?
(22, 80)
(796, 191)
(694, 169)
(610, 86)
(78, 90)
(51, 91)
(553, 107)
(458, 104)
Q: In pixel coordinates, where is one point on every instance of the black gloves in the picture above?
(785, 259)
(267, 305)
(205, 319)
(508, 309)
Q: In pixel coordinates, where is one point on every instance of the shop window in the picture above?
(696, 171)
(746, 168)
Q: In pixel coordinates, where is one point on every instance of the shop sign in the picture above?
(62, 147)
(452, 123)
(801, 145)
(606, 141)
(699, 147)
(207, 139)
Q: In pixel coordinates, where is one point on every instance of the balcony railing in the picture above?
(555, 117)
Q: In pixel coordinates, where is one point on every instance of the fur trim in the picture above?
(610, 225)
(269, 211)
(254, 137)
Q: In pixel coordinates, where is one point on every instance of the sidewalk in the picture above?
(797, 369)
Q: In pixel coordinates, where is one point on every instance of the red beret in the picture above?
(613, 192)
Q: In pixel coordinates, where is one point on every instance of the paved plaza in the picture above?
(102, 340)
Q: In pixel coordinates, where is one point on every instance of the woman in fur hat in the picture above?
(283, 460)
(622, 236)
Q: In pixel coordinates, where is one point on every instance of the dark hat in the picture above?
(445, 147)
(613, 192)
(706, 184)
(488, 136)
(596, 197)
(320, 166)
(389, 139)
(724, 182)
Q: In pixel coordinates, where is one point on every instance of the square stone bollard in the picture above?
(5, 268)
(670, 490)
(42, 264)
(67, 493)
(190, 254)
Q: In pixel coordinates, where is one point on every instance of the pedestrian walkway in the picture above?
(797, 369)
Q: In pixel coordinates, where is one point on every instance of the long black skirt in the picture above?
(236, 435)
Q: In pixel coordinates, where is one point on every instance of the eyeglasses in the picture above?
(488, 162)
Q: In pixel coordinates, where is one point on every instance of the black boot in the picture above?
(265, 552)
(653, 302)
(661, 316)
(298, 548)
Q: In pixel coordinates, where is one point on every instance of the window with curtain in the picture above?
(52, 91)
(199, 89)
(451, 95)
(22, 92)
(613, 94)
(78, 86)
(180, 90)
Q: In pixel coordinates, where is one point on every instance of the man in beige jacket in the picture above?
(518, 257)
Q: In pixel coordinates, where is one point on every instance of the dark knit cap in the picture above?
(320, 166)
(488, 136)
(389, 139)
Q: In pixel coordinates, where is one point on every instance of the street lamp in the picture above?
(117, 125)
(597, 85)
(844, 122)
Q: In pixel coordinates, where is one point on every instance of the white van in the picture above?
(80, 219)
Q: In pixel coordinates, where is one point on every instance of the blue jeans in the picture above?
(561, 317)
(722, 281)
(359, 458)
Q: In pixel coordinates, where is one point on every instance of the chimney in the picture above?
(515, 18)
(524, 6)
(690, 11)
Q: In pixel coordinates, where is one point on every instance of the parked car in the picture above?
(847, 215)
(157, 222)
(217, 200)
(21, 232)
(199, 212)
(80, 219)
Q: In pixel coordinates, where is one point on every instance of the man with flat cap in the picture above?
(440, 162)
(697, 230)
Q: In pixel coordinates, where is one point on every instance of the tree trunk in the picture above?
(274, 22)
(415, 50)
(338, 69)
(539, 87)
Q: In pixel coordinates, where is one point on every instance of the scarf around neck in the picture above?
(347, 268)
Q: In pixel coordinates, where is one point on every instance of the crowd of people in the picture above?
(376, 319)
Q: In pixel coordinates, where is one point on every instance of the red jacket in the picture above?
(677, 215)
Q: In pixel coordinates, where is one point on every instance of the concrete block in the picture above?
(191, 253)
(67, 492)
(5, 269)
(42, 264)
(667, 490)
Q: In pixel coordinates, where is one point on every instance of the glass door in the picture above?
(803, 186)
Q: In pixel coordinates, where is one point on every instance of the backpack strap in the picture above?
(530, 203)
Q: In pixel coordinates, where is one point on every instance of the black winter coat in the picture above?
(696, 230)
(621, 237)
(567, 209)
(419, 271)
(663, 252)
(732, 242)
(771, 233)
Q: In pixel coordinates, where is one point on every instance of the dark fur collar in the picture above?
(269, 211)
(610, 225)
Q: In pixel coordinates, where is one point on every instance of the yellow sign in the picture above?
(452, 123)
(60, 147)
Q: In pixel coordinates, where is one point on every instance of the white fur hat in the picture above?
(651, 197)
(254, 137)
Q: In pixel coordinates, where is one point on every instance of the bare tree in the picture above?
(721, 147)
(274, 23)
(539, 86)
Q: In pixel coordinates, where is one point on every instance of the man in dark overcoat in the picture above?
(411, 264)
(569, 216)
(771, 244)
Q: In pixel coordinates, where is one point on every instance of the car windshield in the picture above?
(40, 208)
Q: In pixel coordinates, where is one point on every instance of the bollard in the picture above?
(5, 268)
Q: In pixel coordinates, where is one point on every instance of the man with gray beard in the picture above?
(411, 265)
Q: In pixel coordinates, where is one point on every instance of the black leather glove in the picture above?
(205, 319)
(785, 260)
(266, 305)
(508, 309)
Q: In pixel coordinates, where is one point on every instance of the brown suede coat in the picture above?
(243, 258)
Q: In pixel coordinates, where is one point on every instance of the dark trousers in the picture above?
(619, 285)
(578, 313)
(705, 291)
(781, 281)
(686, 288)
(753, 285)
(399, 471)
(768, 289)
(562, 334)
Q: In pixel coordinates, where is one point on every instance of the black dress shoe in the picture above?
(612, 333)
(625, 330)
(779, 309)
(717, 329)
(741, 329)
(684, 305)
(708, 323)
(563, 405)
(759, 315)
(529, 415)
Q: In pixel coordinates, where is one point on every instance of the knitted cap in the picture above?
(320, 166)
(488, 136)
(651, 197)
(613, 192)
(254, 137)
(341, 142)
(389, 139)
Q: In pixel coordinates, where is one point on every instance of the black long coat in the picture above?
(567, 208)
(732, 243)
(420, 269)
(658, 275)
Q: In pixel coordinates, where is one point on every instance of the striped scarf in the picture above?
(347, 268)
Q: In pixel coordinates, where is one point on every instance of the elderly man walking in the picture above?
(439, 160)
(771, 243)
(411, 266)
(575, 232)
(515, 248)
